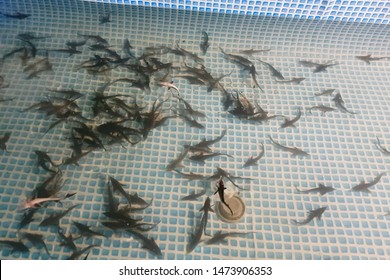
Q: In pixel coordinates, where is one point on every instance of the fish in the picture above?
(86, 231)
(251, 52)
(382, 148)
(190, 110)
(98, 39)
(44, 159)
(364, 187)
(221, 192)
(193, 196)
(294, 150)
(118, 187)
(6, 100)
(317, 213)
(204, 44)
(291, 123)
(323, 67)
(190, 121)
(325, 92)
(35, 203)
(191, 176)
(39, 67)
(201, 157)
(368, 58)
(27, 217)
(293, 80)
(323, 109)
(274, 72)
(182, 52)
(36, 240)
(224, 174)
(55, 218)
(28, 36)
(253, 160)
(4, 140)
(16, 246)
(147, 243)
(74, 159)
(70, 51)
(321, 189)
(245, 63)
(206, 208)
(75, 44)
(339, 102)
(220, 237)
(104, 18)
(169, 85)
(206, 143)
(69, 92)
(195, 238)
(176, 163)
(17, 15)
(66, 241)
(76, 254)
(127, 48)
(10, 53)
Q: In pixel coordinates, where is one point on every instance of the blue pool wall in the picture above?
(340, 10)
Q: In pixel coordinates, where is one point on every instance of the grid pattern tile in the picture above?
(341, 146)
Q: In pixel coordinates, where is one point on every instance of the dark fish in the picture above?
(55, 218)
(201, 157)
(206, 208)
(338, 100)
(312, 214)
(190, 110)
(221, 192)
(176, 163)
(147, 243)
(104, 18)
(16, 15)
(28, 36)
(10, 53)
(118, 187)
(86, 231)
(253, 160)
(66, 241)
(204, 44)
(75, 44)
(323, 109)
(4, 140)
(368, 58)
(294, 150)
(251, 52)
(221, 173)
(182, 52)
(220, 237)
(318, 67)
(381, 148)
(321, 189)
(293, 80)
(206, 143)
(74, 159)
(76, 254)
(17, 246)
(44, 159)
(274, 72)
(364, 187)
(291, 123)
(191, 122)
(98, 39)
(191, 176)
(245, 63)
(27, 217)
(70, 51)
(36, 240)
(325, 92)
(127, 48)
(69, 92)
(193, 196)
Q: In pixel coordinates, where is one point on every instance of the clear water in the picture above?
(342, 146)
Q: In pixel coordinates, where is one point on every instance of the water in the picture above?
(342, 146)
